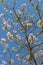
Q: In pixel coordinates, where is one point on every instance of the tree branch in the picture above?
(37, 45)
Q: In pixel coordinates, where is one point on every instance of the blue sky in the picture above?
(3, 33)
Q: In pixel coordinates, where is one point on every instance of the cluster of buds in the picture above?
(10, 37)
(29, 25)
(5, 48)
(26, 23)
(13, 49)
(40, 53)
(3, 42)
(32, 38)
(18, 57)
(6, 26)
(40, 23)
(11, 61)
(15, 31)
(28, 58)
(18, 37)
(18, 12)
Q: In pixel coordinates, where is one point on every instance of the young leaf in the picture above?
(1, 1)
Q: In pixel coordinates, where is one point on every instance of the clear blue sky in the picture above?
(3, 33)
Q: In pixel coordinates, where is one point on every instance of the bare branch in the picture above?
(37, 45)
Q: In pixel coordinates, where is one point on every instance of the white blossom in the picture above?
(11, 61)
(6, 46)
(13, 49)
(18, 12)
(24, 23)
(4, 51)
(15, 31)
(6, 26)
(31, 38)
(24, 5)
(40, 53)
(3, 40)
(18, 37)
(18, 57)
(10, 36)
(29, 25)
(28, 57)
(4, 62)
(40, 23)
(2, 15)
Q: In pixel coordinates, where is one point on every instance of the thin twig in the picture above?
(37, 45)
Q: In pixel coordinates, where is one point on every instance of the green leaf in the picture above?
(42, 62)
(20, 46)
(24, 48)
(16, 50)
(18, 18)
(37, 8)
(1, 1)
